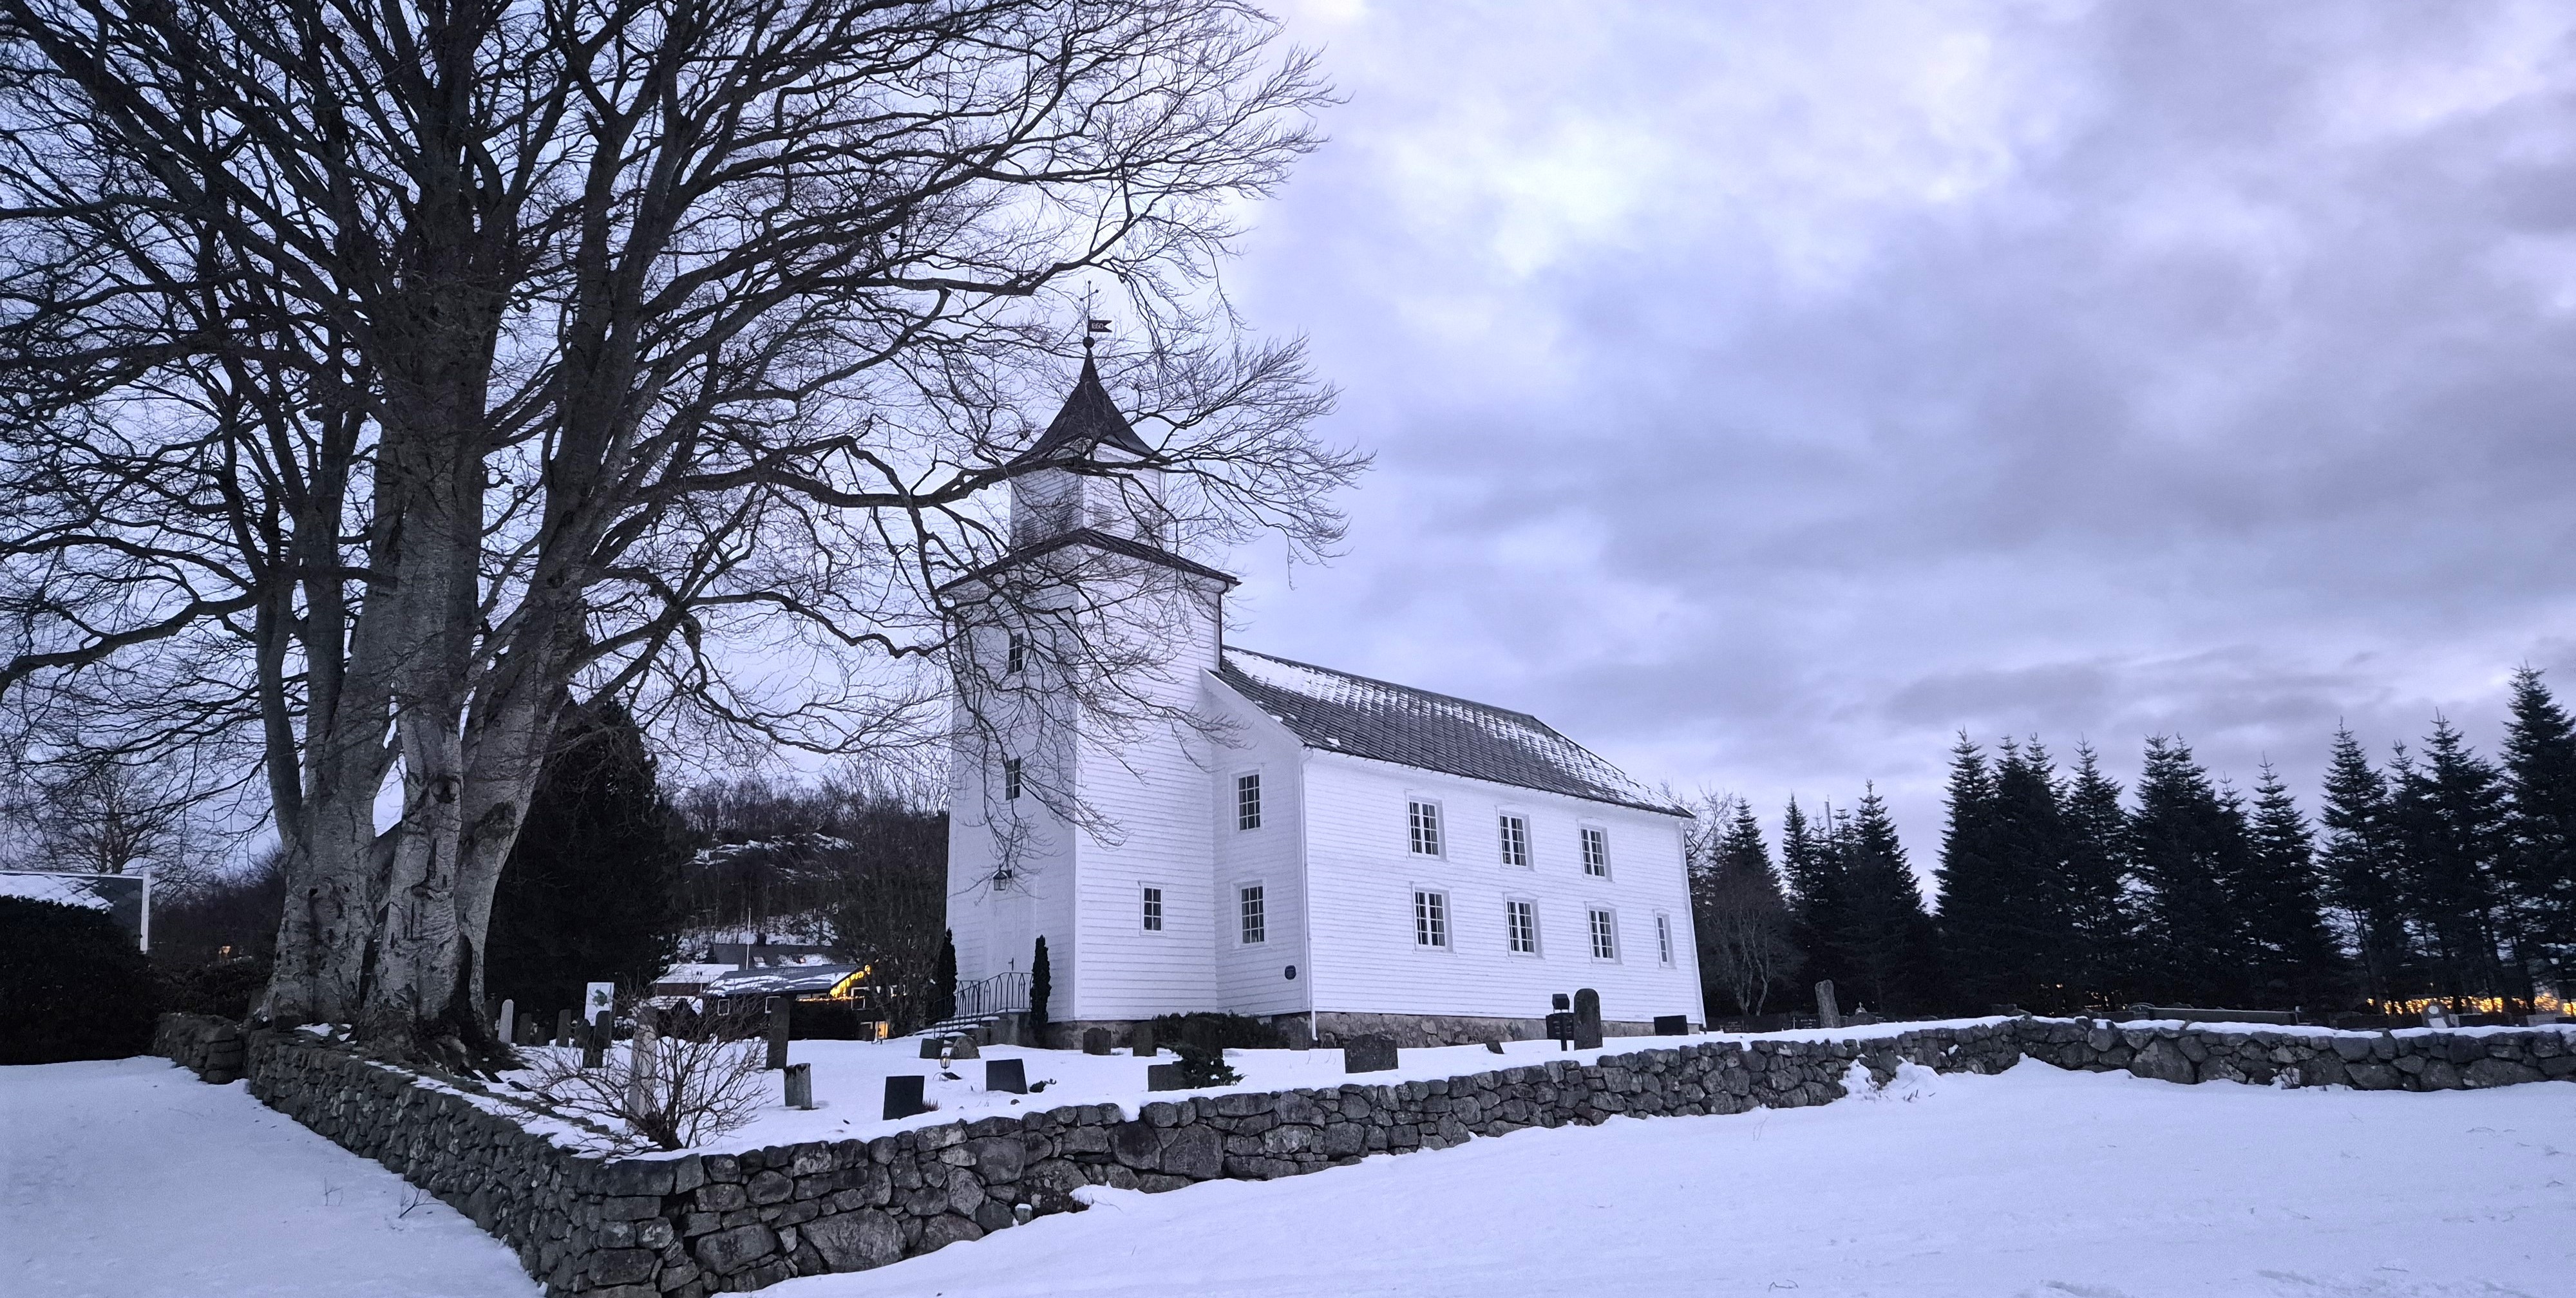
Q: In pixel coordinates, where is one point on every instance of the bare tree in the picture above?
(695, 1087)
(380, 376)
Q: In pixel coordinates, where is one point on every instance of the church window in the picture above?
(1605, 935)
(1153, 910)
(1424, 820)
(1011, 777)
(1430, 919)
(1247, 800)
(1256, 926)
(1520, 923)
(1515, 840)
(1596, 851)
(1017, 657)
(1664, 938)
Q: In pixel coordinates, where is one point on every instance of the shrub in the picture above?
(72, 985)
(1217, 1032)
(226, 989)
(1203, 1066)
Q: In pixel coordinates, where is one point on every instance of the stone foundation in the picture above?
(705, 1223)
(1415, 1031)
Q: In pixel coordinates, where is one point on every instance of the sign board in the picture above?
(595, 998)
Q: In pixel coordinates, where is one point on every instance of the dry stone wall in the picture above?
(689, 1226)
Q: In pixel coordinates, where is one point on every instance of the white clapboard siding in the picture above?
(1252, 978)
(1363, 874)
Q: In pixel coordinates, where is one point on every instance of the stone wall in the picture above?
(688, 1226)
(209, 1047)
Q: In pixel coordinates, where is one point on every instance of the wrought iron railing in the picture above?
(1003, 993)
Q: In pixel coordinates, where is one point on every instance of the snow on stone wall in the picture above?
(700, 1223)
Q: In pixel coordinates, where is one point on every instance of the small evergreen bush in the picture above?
(1218, 1032)
(1203, 1066)
(226, 989)
(72, 985)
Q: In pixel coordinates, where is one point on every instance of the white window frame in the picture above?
(1015, 653)
(1596, 932)
(1152, 918)
(1588, 837)
(1247, 781)
(1513, 831)
(1433, 916)
(1421, 814)
(1664, 939)
(1251, 914)
(1011, 779)
(1513, 909)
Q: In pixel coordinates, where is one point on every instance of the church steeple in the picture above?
(1067, 487)
(1088, 421)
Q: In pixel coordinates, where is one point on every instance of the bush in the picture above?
(226, 989)
(1217, 1032)
(72, 985)
(1202, 1066)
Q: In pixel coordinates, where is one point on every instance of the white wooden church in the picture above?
(1310, 845)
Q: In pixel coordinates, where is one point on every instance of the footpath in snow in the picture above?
(2036, 1182)
(130, 1178)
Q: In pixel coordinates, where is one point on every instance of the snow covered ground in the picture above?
(2037, 1182)
(132, 1179)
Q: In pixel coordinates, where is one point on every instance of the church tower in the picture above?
(1079, 803)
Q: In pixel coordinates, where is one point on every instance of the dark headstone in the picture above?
(529, 1033)
(800, 1086)
(1144, 1041)
(1095, 1041)
(594, 1051)
(1828, 1014)
(1495, 1046)
(1560, 1027)
(933, 1047)
(1010, 1075)
(779, 1008)
(563, 1027)
(1587, 1005)
(1587, 1034)
(1371, 1054)
(1164, 1077)
(1672, 1025)
(903, 1096)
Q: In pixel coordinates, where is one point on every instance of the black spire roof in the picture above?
(1089, 419)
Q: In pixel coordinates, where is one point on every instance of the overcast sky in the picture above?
(1763, 393)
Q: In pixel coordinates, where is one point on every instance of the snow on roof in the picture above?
(782, 980)
(1342, 713)
(693, 973)
(69, 889)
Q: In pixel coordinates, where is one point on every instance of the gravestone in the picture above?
(1587, 1019)
(1672, 1025)
(563, 1027)
(643, 1062)
(1010, 1075)
(1560, 1028)
(1164, 1077)
(594, 1047)
(1495, 1046)
(1144, 1041)
(963, 1048)
(1095, 1041)
(1828, 1014)
(529, 1033)
(1369, 1054)
(779, 1008)
(800, 1086)
(933, 1047)
(1298, 1037)
(596, 997)
(2436, 1015)
(508, 1028)
(903, 1096)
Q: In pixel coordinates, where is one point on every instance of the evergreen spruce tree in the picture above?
(2540, 779)
(2451, 833)
(2295, 962)
(1742, 920)
(1975, 887)
(2096, 882)
(1887, 938)
(2189, 845)
(943, 979)
(2360, 861)
(1814, 873)
(591, 889)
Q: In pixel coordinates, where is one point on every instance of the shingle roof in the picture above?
(1089, 418)
(1337, 712)
(1099, 540)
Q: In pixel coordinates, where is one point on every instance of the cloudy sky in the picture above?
(1762, 393)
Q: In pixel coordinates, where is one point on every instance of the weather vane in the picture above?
(1093, 326)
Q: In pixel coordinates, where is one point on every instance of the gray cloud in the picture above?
(1763, 393)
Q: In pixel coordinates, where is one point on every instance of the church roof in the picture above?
(1089, 419)
(1098, 540)
(1337, 712)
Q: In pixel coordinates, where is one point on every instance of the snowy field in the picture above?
(132, 1179)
